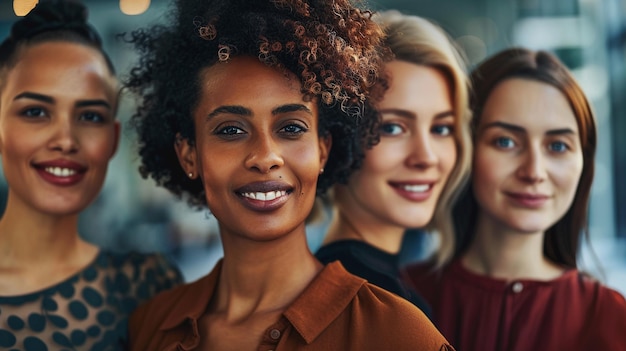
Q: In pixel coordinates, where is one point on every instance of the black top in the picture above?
(376, 266)
(89, 310)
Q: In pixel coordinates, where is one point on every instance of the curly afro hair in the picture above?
(331, 45)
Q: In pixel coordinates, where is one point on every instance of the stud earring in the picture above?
(190, 175)
(322, 171)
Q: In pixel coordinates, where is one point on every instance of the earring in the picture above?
(322, 171)
(190, 175)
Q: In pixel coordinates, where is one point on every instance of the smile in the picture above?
(416, 188)
(265, 196)
(60, 171)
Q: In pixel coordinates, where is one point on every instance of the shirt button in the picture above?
(517, 287)
(275, 334)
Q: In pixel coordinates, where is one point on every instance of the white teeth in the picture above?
(60, 172)
(271, 195)
(416, 188)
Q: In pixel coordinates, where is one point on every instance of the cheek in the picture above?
(384, 156)
(485, 176)
(305, 157)
(567, 175)
(99, 147)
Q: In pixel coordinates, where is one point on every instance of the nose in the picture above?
(533, 168)
(422, 153)
(265, 155)
(64, 138)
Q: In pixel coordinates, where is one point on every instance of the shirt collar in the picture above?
(194, 301)
(334, 289)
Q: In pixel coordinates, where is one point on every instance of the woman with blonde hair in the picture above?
(412, 176)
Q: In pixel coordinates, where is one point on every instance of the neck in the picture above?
(500, 252)
(346, 225)
(31, 238)
(260, 277)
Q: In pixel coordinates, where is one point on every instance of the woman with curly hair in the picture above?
(58, 132)
(410, 179)
(240, 103)
(513, 283)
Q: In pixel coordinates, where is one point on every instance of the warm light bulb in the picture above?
(23, 7)
(134, 7)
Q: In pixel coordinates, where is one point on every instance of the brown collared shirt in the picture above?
(337, 311)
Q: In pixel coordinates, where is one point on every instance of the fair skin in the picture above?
(527, 165)
(258, 154)
(57, 134)
(403, 176)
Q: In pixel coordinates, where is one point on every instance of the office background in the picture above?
(588, 35)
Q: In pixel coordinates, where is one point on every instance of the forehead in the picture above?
(528, 103)
(61, 67)
(247, 82)
(415, 86)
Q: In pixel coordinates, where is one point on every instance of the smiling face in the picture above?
(403, 176)
(257, 149)
(528, 157)
(57, 127)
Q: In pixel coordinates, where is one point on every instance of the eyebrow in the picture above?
(87, 103)
(411, 115)
(517, 129)
(34, 96)
(50, 100)
(242, 111)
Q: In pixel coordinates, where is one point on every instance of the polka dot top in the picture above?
(88, 311)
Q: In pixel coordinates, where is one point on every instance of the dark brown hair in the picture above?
(562, 240)
(50, 21)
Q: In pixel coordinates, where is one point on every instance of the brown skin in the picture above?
(67, 113)
(253, 125)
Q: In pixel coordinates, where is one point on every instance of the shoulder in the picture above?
(400, 320)
(605, 312)
(599, 295)
(137, 275)
(152, 265)
(425, 278)
(168, 310)
(343, 250)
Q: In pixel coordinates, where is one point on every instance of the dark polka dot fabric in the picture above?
(89, 311)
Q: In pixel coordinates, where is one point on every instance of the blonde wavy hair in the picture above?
(420, 41)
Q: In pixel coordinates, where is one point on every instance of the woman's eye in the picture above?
(230, 130)
(293, 129)
(504, 143)
(558, 146)
(34, 112)
(442, 130)
(92, 117)
(391, 129)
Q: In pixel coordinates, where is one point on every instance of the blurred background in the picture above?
(588, 35)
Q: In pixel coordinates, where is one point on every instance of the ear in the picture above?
(326, 143)
(116, 136)
(186, 156)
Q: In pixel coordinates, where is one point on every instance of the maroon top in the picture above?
(478, 313)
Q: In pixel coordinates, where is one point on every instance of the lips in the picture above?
(528, 200)
(60, 172)
(264, 196)
(413, 191)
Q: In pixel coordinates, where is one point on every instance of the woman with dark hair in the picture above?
(514, 284)
(240, 102)
(412, 176)
(58, 131)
